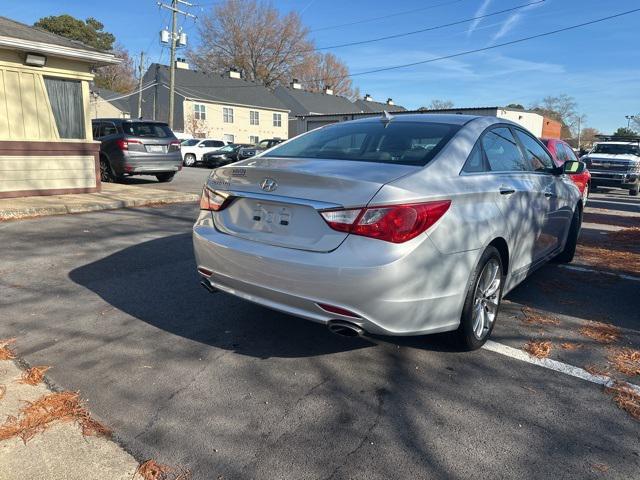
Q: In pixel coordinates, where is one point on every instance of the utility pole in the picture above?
(175, 40)
(579, 131)
(629, 118)
(140, 67)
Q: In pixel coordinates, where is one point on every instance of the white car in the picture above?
(192, 150)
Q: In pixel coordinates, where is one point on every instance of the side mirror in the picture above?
(573, 167)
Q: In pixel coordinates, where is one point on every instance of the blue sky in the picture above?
(599, 65)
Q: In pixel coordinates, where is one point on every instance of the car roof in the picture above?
(452, 119)
(129, 120)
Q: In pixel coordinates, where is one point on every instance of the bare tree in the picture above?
(119, 78)
(438, 105)
(195, 126)
(325, 70)
(562, 108)
(253, 37)
(588, 136)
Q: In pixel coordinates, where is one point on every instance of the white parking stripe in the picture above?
(591, 270)
(552, 364)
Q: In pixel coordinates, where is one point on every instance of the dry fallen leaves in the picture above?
(533, 317)
(39, 415)
(598, 370)
(601, 332)
(570, 346)
(3, 390)
(5, 351)
(34, 375)
(626, 398)
(627, 236)
(609, 258)
(537, 348)
(625, 360)
(600, 467)
(152, 470)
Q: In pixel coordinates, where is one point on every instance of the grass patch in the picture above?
(601, 332)
(537, 348)
(625, 360)
(34, 375)
(38, 416)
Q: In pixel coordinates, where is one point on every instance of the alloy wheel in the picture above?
(486, 298)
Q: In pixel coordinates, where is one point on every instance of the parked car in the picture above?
(359, 226)
(562, 152)
(615, 162)
(224, 156)
(263, 145)
(136, 147)
(192, 150)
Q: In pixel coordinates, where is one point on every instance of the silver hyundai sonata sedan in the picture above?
(394, 225)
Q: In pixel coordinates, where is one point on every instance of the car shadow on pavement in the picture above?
(157, 282)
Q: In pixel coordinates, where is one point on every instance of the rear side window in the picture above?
(213, 143)
(406, 143)
(502, 151)
(475, 163)
(537, 156)
(571, 155)
(147, 129)
(107, 128)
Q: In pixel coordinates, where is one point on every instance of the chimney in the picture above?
(390, 101)
(182, 64)
(367, 98)
(234, 73)
(295, 84)
(328, 90)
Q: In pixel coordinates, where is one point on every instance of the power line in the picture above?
(458, 54)
(397, 14)
(498, 45)
(428, 29)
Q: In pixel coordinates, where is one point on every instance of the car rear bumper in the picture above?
(394, 289)
(151, 164)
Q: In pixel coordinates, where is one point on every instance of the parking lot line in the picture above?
(552, 365)
(591, 270)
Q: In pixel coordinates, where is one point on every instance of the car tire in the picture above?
(482, 302)
(189, 160)
(106, 172)
(566, 256)
(635, 190)
(165, 177)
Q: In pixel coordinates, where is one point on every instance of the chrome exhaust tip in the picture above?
(344, 328)
(204, 283)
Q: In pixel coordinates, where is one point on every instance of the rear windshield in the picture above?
(147, 129)
(405, 143)
(617, 149)
(190, 143)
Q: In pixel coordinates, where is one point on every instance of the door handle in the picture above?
(504, 190)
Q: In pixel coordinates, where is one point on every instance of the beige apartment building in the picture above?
(222, 107)
(46, 143)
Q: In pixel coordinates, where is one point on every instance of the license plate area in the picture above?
(268, 217)
(156, 148)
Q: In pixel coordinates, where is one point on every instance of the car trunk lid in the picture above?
(276, 201)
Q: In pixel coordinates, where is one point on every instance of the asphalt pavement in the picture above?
(189, 179)
(234, 390)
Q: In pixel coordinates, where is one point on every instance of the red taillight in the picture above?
(338, 310)
(393, 223)
(123, 143)
(213, 201)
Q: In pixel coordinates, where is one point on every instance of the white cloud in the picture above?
(481, 11)
(512, 21)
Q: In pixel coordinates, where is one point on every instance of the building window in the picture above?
(228, 137)
(227, 115)
(199, 111)
(254, 117)
(277, 120)
(253, 140)
(65, 97)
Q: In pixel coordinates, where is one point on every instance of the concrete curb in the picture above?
(111, 198)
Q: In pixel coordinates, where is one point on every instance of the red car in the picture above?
(562, 152)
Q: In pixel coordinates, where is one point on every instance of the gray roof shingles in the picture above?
(301, 102)
(11, 28)
(369, 106)
(122, 104)
(215, 87)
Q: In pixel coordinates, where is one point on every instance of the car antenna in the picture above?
(386, 118)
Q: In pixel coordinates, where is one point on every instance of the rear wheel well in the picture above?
(500, 244)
